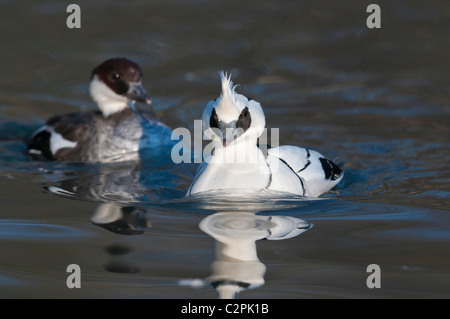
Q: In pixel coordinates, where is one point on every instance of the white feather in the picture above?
(107, 100)
(57, 141)
(302, 163)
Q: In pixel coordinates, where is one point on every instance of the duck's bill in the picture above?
(230, 134)
(136, 92)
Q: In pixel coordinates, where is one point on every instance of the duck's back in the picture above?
(317, 174)
(91, 137)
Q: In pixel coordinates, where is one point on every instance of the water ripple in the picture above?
(26, 230)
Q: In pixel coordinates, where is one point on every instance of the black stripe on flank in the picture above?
(331, 170)
(301, 180)
(307, 163)
(263, 147)
(270, 176)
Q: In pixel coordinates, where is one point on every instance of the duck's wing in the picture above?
(318, 174)
(61, 136)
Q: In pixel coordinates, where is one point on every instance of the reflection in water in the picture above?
(119, 263)
(236, 266)
(235, 226)
(113, 188)
(125, 220)
(117, 183)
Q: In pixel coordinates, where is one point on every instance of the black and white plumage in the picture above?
(234, 123)
(116, 132)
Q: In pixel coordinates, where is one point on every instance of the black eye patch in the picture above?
(214, 120)
(120, 86)
(245, 120)
(114, 76)
(116, 83)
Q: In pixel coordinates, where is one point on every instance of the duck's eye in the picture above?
(245, 120)
(115, 76)
(214, 120)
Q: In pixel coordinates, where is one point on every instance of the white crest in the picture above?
(227, 85)
(226, 108)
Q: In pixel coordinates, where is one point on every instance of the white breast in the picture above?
(217, 173)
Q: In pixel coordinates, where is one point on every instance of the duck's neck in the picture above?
(111, 107)
(108, 101)
(244, 152)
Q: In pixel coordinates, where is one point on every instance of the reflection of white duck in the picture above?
(235, 123)
(237, 266)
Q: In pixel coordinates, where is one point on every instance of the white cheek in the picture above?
(107, 100)
(257, 114)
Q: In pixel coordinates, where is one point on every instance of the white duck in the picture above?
(234, 123)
